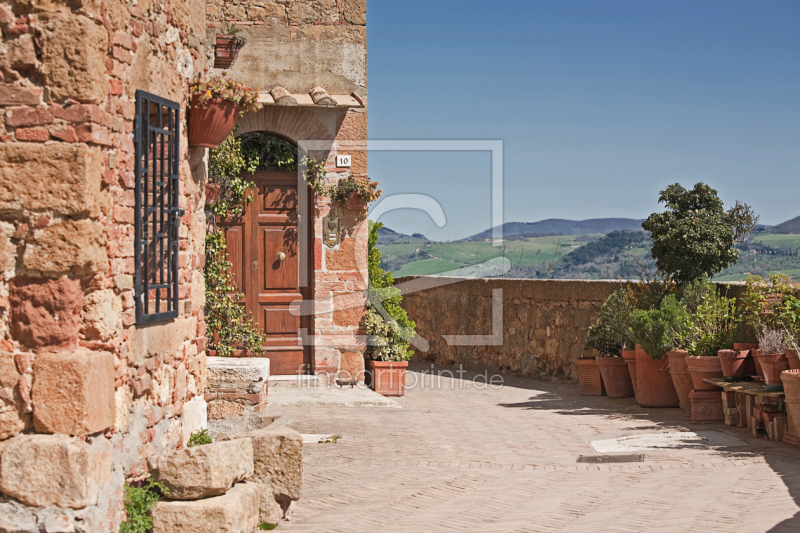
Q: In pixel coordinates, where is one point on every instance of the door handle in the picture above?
(255, 265)
(280, 256)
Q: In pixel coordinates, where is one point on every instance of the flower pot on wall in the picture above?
(702, 367)
(211, 123)
(386, 377)
(772, 364)
(654, 384)
(681, 377)
(616, 377)
(225, 51)
(630, 359)
(589, 377)
(735, 363)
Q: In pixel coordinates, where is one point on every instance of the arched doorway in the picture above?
(264, 248)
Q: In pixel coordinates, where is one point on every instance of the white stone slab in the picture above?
(359, 396)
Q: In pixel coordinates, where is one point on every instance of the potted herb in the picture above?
(769, 303)
(389, 330)
(772, 355)
(228, 45)
(608, 337)
(215, 106)
(656, 333)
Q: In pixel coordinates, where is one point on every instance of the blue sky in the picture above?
(600, 104)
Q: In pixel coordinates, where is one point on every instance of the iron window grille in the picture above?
(157, 217)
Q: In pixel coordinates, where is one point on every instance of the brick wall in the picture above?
(544, 322)
(77, 376)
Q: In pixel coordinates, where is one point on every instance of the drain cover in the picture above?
(633, 458)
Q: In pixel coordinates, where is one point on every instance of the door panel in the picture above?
(234, 238)
(279, 274)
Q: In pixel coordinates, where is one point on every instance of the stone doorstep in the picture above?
(236, 511)
(294, 381)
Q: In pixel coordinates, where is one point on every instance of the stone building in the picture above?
(102, 332)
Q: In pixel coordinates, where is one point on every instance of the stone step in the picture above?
(293, 381)
(236, 511)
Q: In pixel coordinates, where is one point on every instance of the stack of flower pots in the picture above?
(706, 399)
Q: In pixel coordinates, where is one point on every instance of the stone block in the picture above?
(269, 510)
(234, 512)
(16, 95)
(102, 315)
(45, 313)
(73, 58)
(245, 376)
(204, 471)
(160, 340)
(60, 177)
(278, 459)
(76, 248)
(355, 11)
(73, 392)
(194, 416)
(43, 470)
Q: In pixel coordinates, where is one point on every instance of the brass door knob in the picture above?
(280, 256)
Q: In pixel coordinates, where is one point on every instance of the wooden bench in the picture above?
(748, 404)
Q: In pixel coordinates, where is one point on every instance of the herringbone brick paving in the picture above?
(461, 458)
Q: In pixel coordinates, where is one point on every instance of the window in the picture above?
(157, 217)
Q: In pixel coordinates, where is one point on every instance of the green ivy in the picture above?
(227, 319)
(389, 332)
(138, 501)
(226, 167)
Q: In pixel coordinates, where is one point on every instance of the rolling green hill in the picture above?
(790, 226)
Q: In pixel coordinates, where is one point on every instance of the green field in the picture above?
(778, 240)
(446, 257)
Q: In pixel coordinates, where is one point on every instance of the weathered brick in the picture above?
(73, 392)
(93, 133)
(78, 113)
(16, 95)
(32, 134)
(45, 313)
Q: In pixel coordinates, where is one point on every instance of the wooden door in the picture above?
(271, 281)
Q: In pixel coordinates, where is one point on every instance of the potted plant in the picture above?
(713, 327)
(228, 44)
(655, 333)
(389, 330)
(770, 303)
(608, 337)
(354, 193)
(212, 193)
(215, 106)
(772, 356)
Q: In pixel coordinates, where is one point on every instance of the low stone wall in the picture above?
(537, 331)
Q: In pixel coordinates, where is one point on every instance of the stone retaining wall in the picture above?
(540, 325)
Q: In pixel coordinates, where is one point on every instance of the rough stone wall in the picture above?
(544, 322)
(86, 395)
(296, 44)
(300, 44)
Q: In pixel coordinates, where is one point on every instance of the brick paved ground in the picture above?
(456, 458)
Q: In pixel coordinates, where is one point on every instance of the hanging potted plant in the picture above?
(608, 337)
(228, 45)
(354, 193)
(389, 330)
(215, 106)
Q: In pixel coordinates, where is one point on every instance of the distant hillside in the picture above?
(389, 236)
(555, 226)
(790, 226)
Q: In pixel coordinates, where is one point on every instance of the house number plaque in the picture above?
(330, 230)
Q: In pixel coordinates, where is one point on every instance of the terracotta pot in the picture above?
(212, 192)
(735, 363)
(589, 378)
(654, 384)
(225, 51)
(354, 202)
(681, 377)
(706, 406)
(794, 361)
(630, 358)
(616, 377)
(702, 367)
(210, 124)
(772, 364)
(791, 390)
(754, 366)
(386, 377)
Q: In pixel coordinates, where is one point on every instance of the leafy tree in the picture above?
(695, 236)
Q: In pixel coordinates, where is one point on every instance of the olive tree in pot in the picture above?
(389, 330)
(609, 336)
